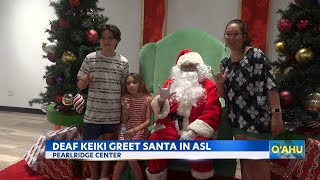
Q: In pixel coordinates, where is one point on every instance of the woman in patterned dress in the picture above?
(136, 113)
(248, 86)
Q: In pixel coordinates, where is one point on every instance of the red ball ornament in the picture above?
(286, 99)
(50, 80)
(284, 25)
(54, 25)
(74, 3)
(58, 99)
(92, 36)
(63, 23)
(51, 56)
(303, 24)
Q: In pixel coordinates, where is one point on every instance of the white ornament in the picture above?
(78, 103)
(51, 46)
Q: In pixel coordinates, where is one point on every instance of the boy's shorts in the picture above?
(93, 131)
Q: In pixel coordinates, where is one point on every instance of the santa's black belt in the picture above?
(174, 116)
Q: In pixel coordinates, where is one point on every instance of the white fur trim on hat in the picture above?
(202, 175)
(160, 114)
(191, 57)
(201, 128)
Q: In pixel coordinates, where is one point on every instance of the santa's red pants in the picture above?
(156, 166)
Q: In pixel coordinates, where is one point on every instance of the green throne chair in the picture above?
(156, 61)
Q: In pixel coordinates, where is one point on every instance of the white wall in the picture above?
(207, 15)
(23, 24)
(21, 66)
(126, 14)
(212, 16)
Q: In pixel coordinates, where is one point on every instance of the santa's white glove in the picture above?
(189, 135)
(165, 92)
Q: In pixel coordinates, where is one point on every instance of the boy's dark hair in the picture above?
(116, 33)
(114, 29)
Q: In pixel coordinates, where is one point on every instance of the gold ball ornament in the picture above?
(67, 99)
(304, 55)
(276, 71)
(313, 102)
(68, 57)
(280, 46)
(287, 71)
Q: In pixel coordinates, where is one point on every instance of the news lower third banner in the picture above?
(211, 149)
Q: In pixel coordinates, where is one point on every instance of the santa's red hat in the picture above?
(187, 56)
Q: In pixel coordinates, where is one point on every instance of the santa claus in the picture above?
(187, 108)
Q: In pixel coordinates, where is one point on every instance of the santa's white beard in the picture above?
(188, 89)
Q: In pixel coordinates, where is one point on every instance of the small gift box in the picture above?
(57, 169)
(279, 172)
(36, 154)
(309, 167)
(68, 133)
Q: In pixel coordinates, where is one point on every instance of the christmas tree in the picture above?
(298, 67)
(72, 36)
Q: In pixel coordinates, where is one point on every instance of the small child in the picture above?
(136, 113)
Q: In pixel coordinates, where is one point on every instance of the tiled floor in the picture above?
(19, 131)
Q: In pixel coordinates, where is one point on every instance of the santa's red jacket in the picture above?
(203, 119)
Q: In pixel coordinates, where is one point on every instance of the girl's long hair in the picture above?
(139, 79)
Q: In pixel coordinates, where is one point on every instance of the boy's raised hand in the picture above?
(86, 79)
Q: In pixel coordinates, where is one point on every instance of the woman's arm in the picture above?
(272, 93)
(276, 119)
(220, 90)
(274, 100)
(219, 79)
